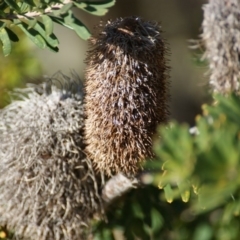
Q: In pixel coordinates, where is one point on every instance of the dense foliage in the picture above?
(192, 187)
(35, 18)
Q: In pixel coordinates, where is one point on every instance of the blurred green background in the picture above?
(180, 20)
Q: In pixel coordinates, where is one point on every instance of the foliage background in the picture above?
(185, 162)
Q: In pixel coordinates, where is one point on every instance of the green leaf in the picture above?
(184, 189)
(137, 211)
(95, 8)
(13, 37)
(30, 2)
(185, 195)
(106, 234)
(5, 42)
(63, 10)
(102, 4)
(12, 4)
(168, 193)
(51, 39)
(157, 220)
(31, 22)
(203, 232)
(73, 23)
(24, 7)
(76, 25)
(51, 48)
(230, 211)
(33, 35)
(2, 24)
(80, 29)
(213, 195)
(48, 24)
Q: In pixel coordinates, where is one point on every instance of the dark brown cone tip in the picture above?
(126, 94)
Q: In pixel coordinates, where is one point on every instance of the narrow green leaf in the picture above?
(137, 211)
(12, 4)
(102, 4)
(229, 211)
(63, 10)
(48, 24)
(24, 7)
(51, 48)
(157, 220)
(203, 232)
(13, 37)
(6, 43)
(33, 35)
(81, 29)
(95, 8)
(90, 9)
(51, 39)
(184, 189)
(2, 24)
(72, 23)
(30, 2)
(168, 193)
(237, 209)
(185, 196)
(60, 21)
(77, 26)
(31, 22)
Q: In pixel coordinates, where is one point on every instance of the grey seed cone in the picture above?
(48, 189)
(221, 37)
(126, 93)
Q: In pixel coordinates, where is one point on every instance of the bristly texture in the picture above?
(126, 94)
(48, 189)
(221, 37)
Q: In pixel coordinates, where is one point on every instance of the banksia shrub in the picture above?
(48, 189)
(221, 37)
(126, 93)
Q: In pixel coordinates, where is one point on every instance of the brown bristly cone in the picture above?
(126, 94)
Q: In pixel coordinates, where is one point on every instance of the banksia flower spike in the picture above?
(221, 37)
(48, 189)
(126, 94)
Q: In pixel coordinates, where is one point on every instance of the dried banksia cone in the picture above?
(221, 37)
(48, 188)
(126, 94)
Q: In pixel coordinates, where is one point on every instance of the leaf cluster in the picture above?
(36, 17)
(197, 171)
(205, 163)
(133, 217)
(203, 166)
